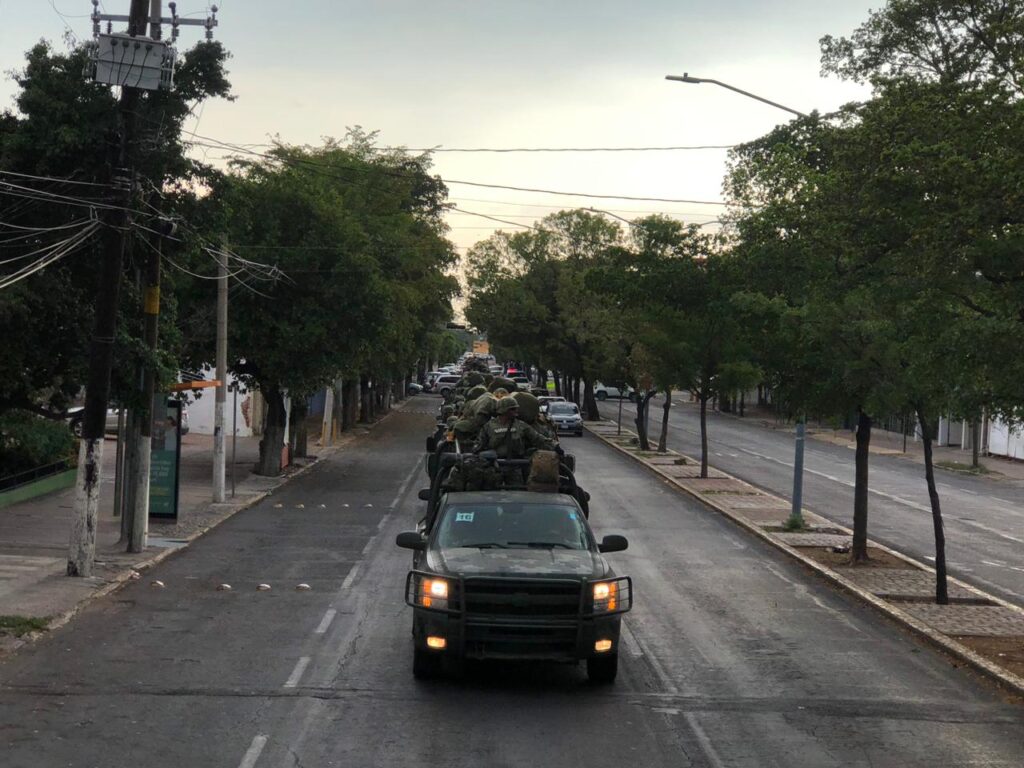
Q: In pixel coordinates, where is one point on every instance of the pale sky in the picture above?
(521, 73)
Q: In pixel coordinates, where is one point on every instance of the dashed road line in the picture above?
(253, 753)
(351, 576)
(325, 622)
(296, 675)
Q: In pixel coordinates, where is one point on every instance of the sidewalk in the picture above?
(979, 629)
(34, 534)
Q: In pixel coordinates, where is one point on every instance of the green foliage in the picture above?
(64, 127)
(17, 626)
(29, 442)
(529, 292)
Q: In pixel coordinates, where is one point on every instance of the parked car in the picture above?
(603, 392)
(446, 383)
(76, 414)
(522, 383)
(431, 379)
(412, 388)
(566, 418)
(546, 400)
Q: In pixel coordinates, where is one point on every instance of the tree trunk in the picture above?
(576, 391)
(558, 384)
(269, 464)
(976, 443)
(366, 400)
(743, 404)
(349, 403)
(542, 377)
(663, 440)
(703, 397)
(941, 587)
(643, 408)
(590, 411)
(860, 489)
(299, 429)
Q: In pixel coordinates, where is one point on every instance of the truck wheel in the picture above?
(602, 669)
(601, 395)
(425, 665)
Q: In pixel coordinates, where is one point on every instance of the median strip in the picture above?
(978, 628)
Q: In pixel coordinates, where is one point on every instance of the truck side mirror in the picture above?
(411, 540)
(613, 543)
(424, 494)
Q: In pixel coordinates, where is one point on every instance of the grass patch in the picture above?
(795, 524)
(967, 469)
(21, 625)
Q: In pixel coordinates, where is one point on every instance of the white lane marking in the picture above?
(802, 590)
(705, 743)
(253, 753)
(325, 622)
(296, 675)
(987, 529)
(351, 576)
(652, 660)
(405, 484)
(368, 545)
(964, 490)
(628, 641)
(1002, 565)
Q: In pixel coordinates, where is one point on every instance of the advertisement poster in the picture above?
(163, 471)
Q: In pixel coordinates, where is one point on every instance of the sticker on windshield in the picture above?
(572, 515)
(464, 517)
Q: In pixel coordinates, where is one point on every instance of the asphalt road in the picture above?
(983, 518)
(733, 657)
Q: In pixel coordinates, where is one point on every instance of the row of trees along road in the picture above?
(873, 262)
(337, 256)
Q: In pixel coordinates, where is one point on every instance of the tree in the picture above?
(53, 149)
(948, 41)
(529, 292)
(358, 242)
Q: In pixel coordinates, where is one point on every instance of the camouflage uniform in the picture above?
(511, 441)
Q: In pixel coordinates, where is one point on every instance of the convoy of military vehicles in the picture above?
(505, 564)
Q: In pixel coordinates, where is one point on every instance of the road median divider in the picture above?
(976, 628)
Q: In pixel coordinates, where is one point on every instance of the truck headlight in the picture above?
(606, 596)
(433, 593)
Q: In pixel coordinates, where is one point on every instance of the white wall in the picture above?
(200, 411)
(1005, 441)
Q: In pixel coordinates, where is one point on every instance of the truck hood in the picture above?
(518, 562)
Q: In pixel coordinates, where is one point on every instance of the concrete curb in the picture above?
(1007, 679)
(122, 579)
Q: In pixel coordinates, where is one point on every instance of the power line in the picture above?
(509, 150)
(397, 174)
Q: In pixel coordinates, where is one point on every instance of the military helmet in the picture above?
(507, 404)
(474, 393)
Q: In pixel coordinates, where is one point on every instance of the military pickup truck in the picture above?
(512, 574)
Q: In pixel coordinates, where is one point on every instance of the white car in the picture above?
(566, 418)
(603, 392)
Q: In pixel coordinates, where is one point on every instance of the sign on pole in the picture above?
(166, 459)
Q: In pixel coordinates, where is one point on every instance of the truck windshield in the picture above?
(506, 526)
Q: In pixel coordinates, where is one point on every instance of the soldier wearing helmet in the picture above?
(509, 437)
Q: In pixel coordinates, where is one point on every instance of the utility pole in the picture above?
(138, 529)
(222, 376)
(82, 547)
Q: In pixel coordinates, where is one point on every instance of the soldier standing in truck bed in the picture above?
(509, 437)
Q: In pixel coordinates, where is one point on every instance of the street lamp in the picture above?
(796, 519)
(685, 78)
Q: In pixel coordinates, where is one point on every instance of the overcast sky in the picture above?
(520, 73)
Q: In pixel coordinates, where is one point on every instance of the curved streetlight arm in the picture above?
(698, 80)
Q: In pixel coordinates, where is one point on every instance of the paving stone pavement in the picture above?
(970, 620)
(897, 582)
(816, 539)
